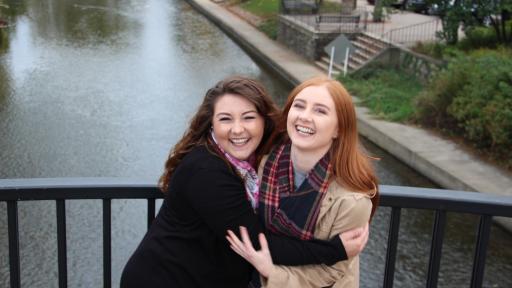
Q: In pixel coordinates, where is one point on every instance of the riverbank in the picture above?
(441, 160)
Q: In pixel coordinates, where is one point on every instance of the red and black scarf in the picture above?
(285, 210)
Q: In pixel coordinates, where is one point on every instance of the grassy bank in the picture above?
(388, 93)
(267, 11)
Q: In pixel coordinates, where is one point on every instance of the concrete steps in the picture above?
(323, 64)
(366, 47)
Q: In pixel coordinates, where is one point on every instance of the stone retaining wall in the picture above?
(423, 67)
(303, 39)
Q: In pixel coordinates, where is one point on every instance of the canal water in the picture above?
(104, 88)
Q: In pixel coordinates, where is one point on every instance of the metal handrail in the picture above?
(425, 31)
(61, 189)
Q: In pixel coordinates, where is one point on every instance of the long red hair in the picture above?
(351, 166)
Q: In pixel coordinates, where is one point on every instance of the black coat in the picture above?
(186, 244)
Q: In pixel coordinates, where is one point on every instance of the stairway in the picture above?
(323, 64)
(366, 47)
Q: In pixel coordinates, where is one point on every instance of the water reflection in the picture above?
(81, 22)
(4, 40)
(23, 52)
(12, 8)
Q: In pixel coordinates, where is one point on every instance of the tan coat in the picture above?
(341, 210)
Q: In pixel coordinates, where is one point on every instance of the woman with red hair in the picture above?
(316, 182)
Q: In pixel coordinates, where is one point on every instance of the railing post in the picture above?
(394, 226)
(436, 248)
(107, 253)
(14, 247)
(151, 211)
(437, 27)
(482, 241)
(61, 244)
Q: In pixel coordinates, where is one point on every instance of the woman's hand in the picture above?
(261, 260)
(355, 240)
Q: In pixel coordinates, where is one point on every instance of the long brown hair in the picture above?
(200, 125)
(351, 166)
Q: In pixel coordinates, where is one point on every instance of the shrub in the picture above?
(479, 37)
(437, 50)
(473, 98)
(432, 102)
(434, 50)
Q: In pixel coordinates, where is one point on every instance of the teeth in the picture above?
(240, 141)
(305, 130)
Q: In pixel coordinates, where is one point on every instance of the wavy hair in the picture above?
(200, 125)
(351, 166)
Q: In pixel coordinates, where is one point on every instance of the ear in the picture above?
(335, 135)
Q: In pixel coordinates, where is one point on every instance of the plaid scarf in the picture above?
(283, 210)
(246, 171)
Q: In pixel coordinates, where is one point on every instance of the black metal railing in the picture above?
(412, 34)
(60, 190)
(442, 201)
(106, 189)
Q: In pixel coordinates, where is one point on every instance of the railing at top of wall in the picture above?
(62, 189)
(358, 20)
(420, 32)
(329, 21)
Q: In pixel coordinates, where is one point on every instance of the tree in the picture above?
(473, 13)
(497, 13)
(452, 13)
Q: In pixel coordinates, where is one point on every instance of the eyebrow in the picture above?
(323, 106)
(222, 114)
(250, 111)
(314, 104)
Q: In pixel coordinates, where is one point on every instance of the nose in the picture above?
(237, 128)
(305, 115)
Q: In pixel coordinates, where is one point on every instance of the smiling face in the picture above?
(312, 123)
(237, 126)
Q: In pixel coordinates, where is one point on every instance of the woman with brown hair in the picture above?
(316, 183)
(211, 186)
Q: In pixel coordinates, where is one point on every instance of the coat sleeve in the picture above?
(218, 196)
(353, 212)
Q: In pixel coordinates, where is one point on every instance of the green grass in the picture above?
(330, 7)
(268, 11)
(270, 8)
(387, 93)
(262, 8)
(269, 27)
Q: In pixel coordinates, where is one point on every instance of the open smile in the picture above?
(306, 131)
(239, 142)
